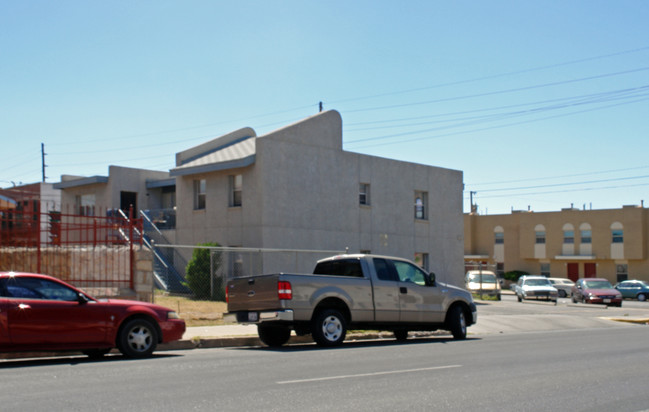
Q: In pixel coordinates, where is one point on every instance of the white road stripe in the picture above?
(328, 378)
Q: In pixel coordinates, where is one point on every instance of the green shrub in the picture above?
(514, 275)
(198, 274)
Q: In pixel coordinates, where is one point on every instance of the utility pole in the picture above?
(320, 106)
(474, 209)
(43, 165)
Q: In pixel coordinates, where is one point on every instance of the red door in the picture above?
(573, 271)
(590, 270)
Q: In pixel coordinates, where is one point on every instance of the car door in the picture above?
(419, 301)
(44, 312)
(4, 329)
(385, 286)
(626, 289)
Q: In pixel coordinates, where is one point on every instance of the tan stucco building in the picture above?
(571, 243)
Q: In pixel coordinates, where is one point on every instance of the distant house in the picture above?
(123, 188)
(296, 188)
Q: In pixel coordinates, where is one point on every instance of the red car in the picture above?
(42, 313)
(596, 290)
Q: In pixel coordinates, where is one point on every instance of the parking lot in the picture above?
(510, 316)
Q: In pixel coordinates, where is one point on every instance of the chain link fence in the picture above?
(201, 272)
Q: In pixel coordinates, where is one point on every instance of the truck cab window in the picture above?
(410, 273)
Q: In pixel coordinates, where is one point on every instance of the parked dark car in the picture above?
(634, 289)
(42, 313)
(596, 290)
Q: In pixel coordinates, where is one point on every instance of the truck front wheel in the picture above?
(273, 336)
(457, 322)
(329, 328)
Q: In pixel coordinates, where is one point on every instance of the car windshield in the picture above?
(598, 284)
(537, 282)
(486, 278)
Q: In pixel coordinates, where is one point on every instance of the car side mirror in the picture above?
(431, 279)
(82, 299)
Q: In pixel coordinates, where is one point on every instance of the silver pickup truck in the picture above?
(349, 292)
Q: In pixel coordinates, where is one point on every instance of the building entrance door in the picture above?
(573, 271)
(590, 270)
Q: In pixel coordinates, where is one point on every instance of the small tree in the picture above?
(199, 273)
(514, 275)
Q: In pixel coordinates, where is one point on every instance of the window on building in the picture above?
(622, 272)
(421, 259)
(569, 236)
(236, 183)
(364, 194)
(200, 188)
(586, 236)
(617, 235)
(499, 238)
(500, 269)
(540, 236)
(85, 205)
(421, 205)
(545, 270)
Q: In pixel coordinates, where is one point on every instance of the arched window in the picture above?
(568, 234)
(617, 233)
(499, 235)
(585, 233)
(539, 232)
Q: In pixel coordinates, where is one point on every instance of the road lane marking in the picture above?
(360, 375)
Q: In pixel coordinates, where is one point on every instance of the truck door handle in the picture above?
(403, 289)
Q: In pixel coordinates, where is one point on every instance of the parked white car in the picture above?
(564, 286)
(536, 287)
(483, 282)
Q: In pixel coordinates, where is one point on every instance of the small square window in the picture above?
(364, 194)
(421, 205)
(200, 187)
(568, 236)
(586, 236)
(236, 183)
(540, 237)
(499, 238)
(617, 236)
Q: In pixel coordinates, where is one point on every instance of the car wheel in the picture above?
(574, 298)
(520, 298)
(401, 334)
(138, 338)
(562, 293)
(642, 297)
(329, 328)
(96, 353)
(457, 322)
(273, 336)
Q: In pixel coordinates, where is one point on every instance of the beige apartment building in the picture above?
(571, 243)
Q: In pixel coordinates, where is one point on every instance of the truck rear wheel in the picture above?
(329, 328)
(273, 336)
(400, 334)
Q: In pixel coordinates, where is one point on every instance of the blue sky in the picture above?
(542, 105)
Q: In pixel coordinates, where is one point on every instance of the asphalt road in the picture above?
(595, 369)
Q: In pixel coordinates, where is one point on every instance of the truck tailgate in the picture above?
(253, 293)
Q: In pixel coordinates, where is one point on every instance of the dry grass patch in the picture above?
(194, 312)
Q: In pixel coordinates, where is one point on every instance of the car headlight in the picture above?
(172, 315)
